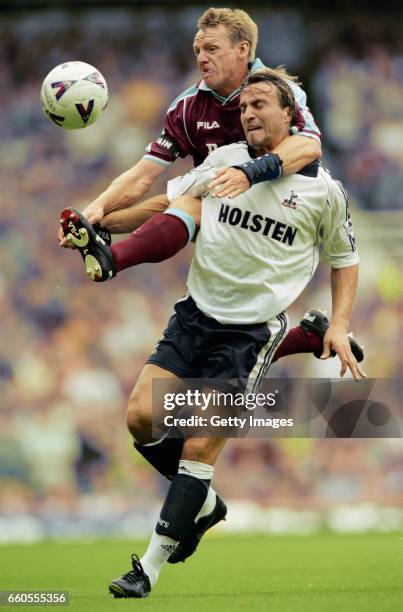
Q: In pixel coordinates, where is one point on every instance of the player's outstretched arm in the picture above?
(290, 156)
(129, 219)
(343, 286)
(122, 193)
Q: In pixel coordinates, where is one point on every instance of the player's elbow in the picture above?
(313, 149)
(318, 149)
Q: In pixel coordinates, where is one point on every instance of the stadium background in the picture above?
(70, 350)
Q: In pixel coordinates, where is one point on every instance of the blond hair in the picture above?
(239, 25)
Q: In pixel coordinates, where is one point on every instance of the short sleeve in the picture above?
(173, 141)
(195, 182)
(336, 230)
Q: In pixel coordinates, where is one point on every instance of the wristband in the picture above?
(267, 167)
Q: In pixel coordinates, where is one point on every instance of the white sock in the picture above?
(203, 471)
(158, 551)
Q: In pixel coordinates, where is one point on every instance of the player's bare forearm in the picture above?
(344, 286)
(124, 191)
(296, 152)
(129, 219)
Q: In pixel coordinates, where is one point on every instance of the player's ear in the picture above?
(244, 48)
(287, 114)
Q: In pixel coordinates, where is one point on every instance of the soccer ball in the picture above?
(73, 95)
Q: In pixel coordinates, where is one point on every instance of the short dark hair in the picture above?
(277, 77)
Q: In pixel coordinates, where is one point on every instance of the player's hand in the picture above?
(229, 182)
(93, 213)
(63, 242)
(336, 338)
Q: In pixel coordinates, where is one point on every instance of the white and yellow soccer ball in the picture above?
(73, 95)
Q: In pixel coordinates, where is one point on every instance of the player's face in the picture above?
(265, 123)
(223, 66)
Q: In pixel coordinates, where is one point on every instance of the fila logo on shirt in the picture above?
(206, 125)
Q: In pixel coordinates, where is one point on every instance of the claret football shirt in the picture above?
(199, 121)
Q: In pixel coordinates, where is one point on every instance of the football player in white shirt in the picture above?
(200, 119)
(253, 257)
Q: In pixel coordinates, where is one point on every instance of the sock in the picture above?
(298, 341)
(186, 496)
(163, 454)
(158, 551)
(159, 238)
(204, 471)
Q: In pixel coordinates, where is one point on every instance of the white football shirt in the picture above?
(256, 253)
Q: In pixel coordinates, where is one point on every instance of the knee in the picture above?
(189, 205)
(196, 449)
(138, 418)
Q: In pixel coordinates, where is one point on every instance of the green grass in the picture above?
(286, 574)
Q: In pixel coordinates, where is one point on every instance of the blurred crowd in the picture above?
(70, 350)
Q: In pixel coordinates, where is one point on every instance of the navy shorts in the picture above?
(195, 346)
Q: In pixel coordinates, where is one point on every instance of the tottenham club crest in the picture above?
(290, 202)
